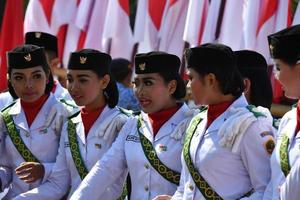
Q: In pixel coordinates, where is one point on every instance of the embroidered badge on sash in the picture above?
(269, 146)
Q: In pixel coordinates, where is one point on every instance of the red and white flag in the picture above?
(77, 28)
(296, 19)
(211, 22)
(250, 18)
(48, 15)
(117, 28)
(232, 25)
(266, 26)
(154, 14)
(283, 15)
(171, 34)
(94, 36)
(195, 21)
(11, 34)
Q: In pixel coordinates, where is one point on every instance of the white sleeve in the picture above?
(178, 195)
(106, 171)
(290, 188)
(58, 183)
(256, 156)
(5, 169)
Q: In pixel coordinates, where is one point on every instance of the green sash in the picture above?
(205, 189)
(284, 155)
(77, 158)
(200, 182)
(150, 153)
(16, 138)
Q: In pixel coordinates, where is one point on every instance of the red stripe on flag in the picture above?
(268, 9)
(290, 14)
(47, 7)
(172, 2)
(61, 38)
(124, 5)
(203, 21)
(11, 34)
(81, 40)
(156, 10)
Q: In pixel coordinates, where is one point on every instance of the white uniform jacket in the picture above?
(42, 139)
(127, 153)
(287, 126)
(5, 99)
(290, 189)
(64, 177)
(62, 93)
(230, 174)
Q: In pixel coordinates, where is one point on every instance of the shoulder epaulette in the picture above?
(74, 115)
(9, 106)
(255, 111)
(67, 103)
(203, 109)
(125, 111)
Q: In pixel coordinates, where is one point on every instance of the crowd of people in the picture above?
(122, 131)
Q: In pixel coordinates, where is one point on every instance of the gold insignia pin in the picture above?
(142, 66)
(38, 34)
(97, 146)
(27, 57)
(82, 59)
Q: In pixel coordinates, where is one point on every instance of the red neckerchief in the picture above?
(298, 118)
(31, 109)
(157, 119)
(54, 86)
(214, 111)
(89, 118)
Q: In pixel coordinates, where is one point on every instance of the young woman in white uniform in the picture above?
(285, 50)
(30, 127)
(150, 145)
(49, 42)
(227, 148)
(89, 133)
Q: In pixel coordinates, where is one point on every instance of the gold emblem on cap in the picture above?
(142, 66)
(82, 59)
(27, 57)
(38, 34)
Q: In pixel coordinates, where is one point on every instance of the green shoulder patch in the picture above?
(125, 111)
(10, 105)
(255, 111)
(74, 115)
(68, 103)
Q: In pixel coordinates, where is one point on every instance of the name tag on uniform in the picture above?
(67, 144)
(44, 131)
(133, 138)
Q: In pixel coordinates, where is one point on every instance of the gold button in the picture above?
(146, 188)
(146, 166)
(191, 187)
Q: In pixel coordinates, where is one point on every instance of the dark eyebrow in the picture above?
(37, 71)
(148, 78)
(83, 76)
